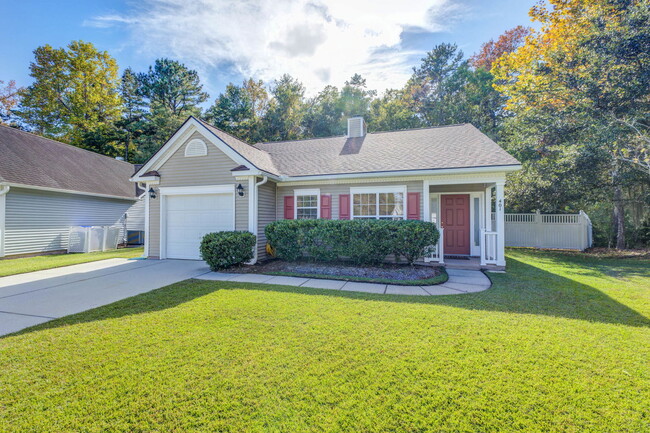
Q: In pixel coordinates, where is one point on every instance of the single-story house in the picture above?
(204, 180)
(47, 186)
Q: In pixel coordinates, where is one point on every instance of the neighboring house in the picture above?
(206, 180)
(47, 186)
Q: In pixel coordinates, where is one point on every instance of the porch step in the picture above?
(473, 264)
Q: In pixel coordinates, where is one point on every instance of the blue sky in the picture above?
(318, 41)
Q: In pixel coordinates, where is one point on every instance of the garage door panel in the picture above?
(190, 217)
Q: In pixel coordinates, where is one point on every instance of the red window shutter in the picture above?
(413, 206)
(288, 207)
(344, 206)
(326, 206)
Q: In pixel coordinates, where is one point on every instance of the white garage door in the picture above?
(189, 217)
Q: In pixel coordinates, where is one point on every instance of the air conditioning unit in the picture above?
(135, 237)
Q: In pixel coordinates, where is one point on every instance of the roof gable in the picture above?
(237, 150)
(445, 147)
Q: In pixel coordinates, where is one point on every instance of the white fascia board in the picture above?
(190, 126)
(164, 150)
(244, 174)
(148, 179)
(69, 191)
(402, 173)
(434, 177)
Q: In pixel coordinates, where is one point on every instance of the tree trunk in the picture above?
(619, 213)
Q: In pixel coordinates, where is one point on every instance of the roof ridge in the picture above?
(423, 127)
(65, 144)
(300, 139)
(373, 133)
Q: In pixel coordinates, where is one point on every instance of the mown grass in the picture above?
(558, 344)
(39, 263)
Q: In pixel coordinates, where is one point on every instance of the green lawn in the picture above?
(39, 263)
(561, 343)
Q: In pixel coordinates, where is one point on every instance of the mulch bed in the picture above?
(343, 270)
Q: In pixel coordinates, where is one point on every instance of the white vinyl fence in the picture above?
(557, 231)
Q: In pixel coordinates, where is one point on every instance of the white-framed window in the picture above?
(379, 202)
(307, 204)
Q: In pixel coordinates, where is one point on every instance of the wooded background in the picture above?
(569, 100)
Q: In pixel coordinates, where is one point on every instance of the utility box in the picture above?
(135, 237)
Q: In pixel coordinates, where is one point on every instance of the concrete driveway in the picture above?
(37, 297)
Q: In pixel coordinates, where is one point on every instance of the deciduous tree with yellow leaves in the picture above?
(586, 71)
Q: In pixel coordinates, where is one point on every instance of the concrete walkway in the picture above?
(460, 281)
(37, 297)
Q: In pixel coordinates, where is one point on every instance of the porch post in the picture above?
(485, 223)
(146, 221)
(426, 201)
(500, 223)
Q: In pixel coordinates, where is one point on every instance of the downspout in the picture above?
(4, 189)
(255, 212)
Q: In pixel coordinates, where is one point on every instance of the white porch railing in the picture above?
(489, 247)
(437, 254)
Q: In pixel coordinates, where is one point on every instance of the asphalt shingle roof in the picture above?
(454, 146)
(29, 159)
(259, 158)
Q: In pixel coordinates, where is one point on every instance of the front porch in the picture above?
(470, 218)
(470, 264)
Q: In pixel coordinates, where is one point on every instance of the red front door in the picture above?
(455, 221)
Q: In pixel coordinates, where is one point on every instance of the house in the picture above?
(204, 180)
(47, 186)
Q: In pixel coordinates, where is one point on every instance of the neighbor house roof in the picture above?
(32, 160)
(454, 146)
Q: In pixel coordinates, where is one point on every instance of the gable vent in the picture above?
(196, 147)
(356, 127)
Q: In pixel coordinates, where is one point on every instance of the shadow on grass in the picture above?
(525, 289)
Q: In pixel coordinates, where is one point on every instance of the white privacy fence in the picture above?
(557, 231)
(96, 238)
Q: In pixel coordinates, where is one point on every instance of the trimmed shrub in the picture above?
(222, 250)
(362, 241)
(414, 239)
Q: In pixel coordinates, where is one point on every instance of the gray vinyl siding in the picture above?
(342, 188)
(135, 219)
(266, 214)
(179, 170)
(38, 221)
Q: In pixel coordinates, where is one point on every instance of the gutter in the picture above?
(69, 191)
(400, 173)
(254, 213)
(4, 189)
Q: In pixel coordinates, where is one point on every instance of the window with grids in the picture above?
(378, 205)
(307, 207)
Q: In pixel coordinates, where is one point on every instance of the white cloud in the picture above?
(317, 41)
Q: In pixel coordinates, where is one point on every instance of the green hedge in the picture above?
(360, 241)
(222, 250)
